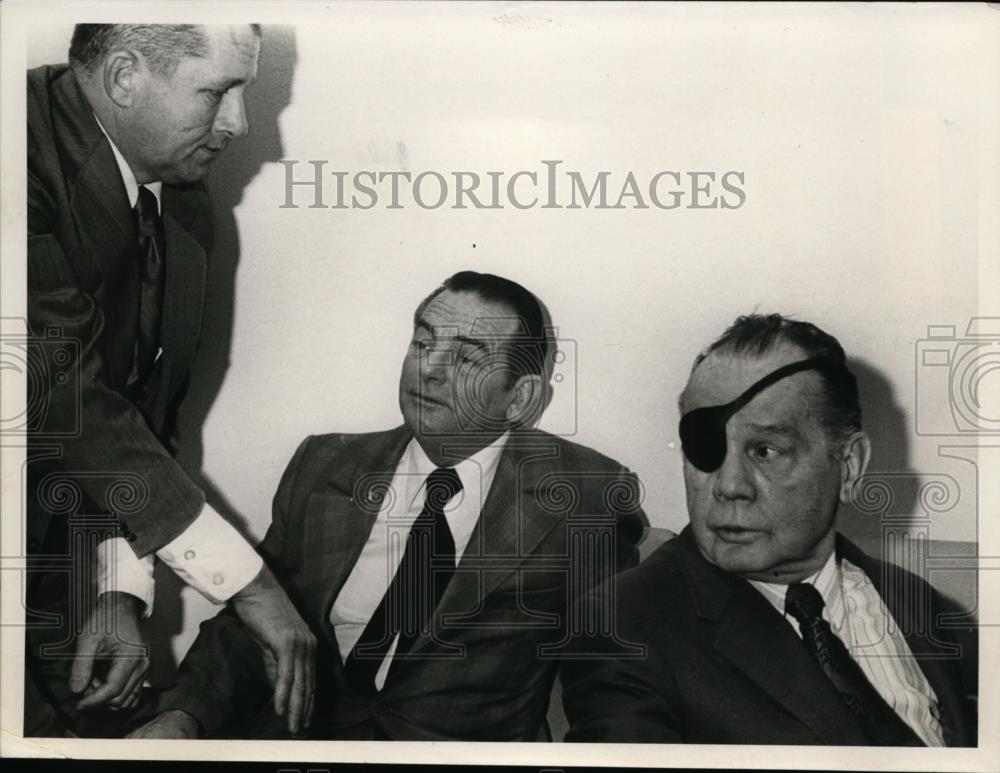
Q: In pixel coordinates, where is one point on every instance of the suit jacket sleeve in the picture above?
(615, 688)
(631, 519)
(222, 681)
(102, 436)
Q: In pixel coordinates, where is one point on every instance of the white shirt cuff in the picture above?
(212, 557)
(120, 569)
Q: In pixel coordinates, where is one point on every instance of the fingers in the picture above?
(133, 700)
(295, 685)
(287, 643)
(117, 679)
(310, 679)
(302, 698)
(285, 655)
(132, 688)
(83, 663)
(300, 691)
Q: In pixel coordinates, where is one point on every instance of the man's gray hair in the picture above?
(162, 45)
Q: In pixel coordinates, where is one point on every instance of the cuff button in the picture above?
(189, 554)
(218, 579)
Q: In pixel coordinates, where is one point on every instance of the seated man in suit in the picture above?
(436, 562)
(760, 624)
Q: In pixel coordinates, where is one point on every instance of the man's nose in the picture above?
(437, 364)
(231, 119)
(732, 479)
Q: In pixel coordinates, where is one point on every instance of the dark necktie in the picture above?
(424, 572)
(151, 274)
(881, 724)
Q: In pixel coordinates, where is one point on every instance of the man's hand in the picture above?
(111, 641)
(289, 646)
(169, 724)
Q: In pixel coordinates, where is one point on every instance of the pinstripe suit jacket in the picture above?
(721, 665)
(558, 518)
(83, 294)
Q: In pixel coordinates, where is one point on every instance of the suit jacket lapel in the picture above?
(341, 512)
(754, 637)
(106, 229)
(102, 219)
(185, 234)
(509, 529)
(904, 600)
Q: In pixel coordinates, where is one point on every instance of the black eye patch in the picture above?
(703, 430)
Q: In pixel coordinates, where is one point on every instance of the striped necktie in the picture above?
(151, 275)
(881, 724)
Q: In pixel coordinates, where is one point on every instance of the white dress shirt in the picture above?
(380, 558)
(855, 612)
(210, 555)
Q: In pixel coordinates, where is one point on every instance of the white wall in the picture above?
(861, 132)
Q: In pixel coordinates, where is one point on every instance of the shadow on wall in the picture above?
(888, 492)
(232, 173)
(893, 510)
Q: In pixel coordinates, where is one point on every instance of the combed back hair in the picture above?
(529, 351)
(754, 335)
(162, 45)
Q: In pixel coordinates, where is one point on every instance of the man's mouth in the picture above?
(737, 535)
(427, 401)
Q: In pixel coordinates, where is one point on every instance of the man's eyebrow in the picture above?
(786, 430)
(422, 323)
(225, 85)
(477, 342)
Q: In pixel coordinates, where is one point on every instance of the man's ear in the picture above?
(528, 401)
(123, 71)
(855, 455)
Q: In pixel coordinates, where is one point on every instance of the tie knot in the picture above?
(147, 211)
(442, 485)
(803, 601)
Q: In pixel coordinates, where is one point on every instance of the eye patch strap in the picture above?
(703, 430)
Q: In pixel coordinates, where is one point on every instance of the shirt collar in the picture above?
(826, 581)
(471, 471)
(131, 186)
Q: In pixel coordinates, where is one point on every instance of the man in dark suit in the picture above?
(119, 232)
(436, 561)
(760, 624)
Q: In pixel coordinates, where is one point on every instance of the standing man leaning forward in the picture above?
(119, 234)
(760, 624)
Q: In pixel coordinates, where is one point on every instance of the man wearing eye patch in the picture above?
(760, 623)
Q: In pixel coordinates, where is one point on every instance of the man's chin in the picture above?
(188, 174)
(737, 559)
